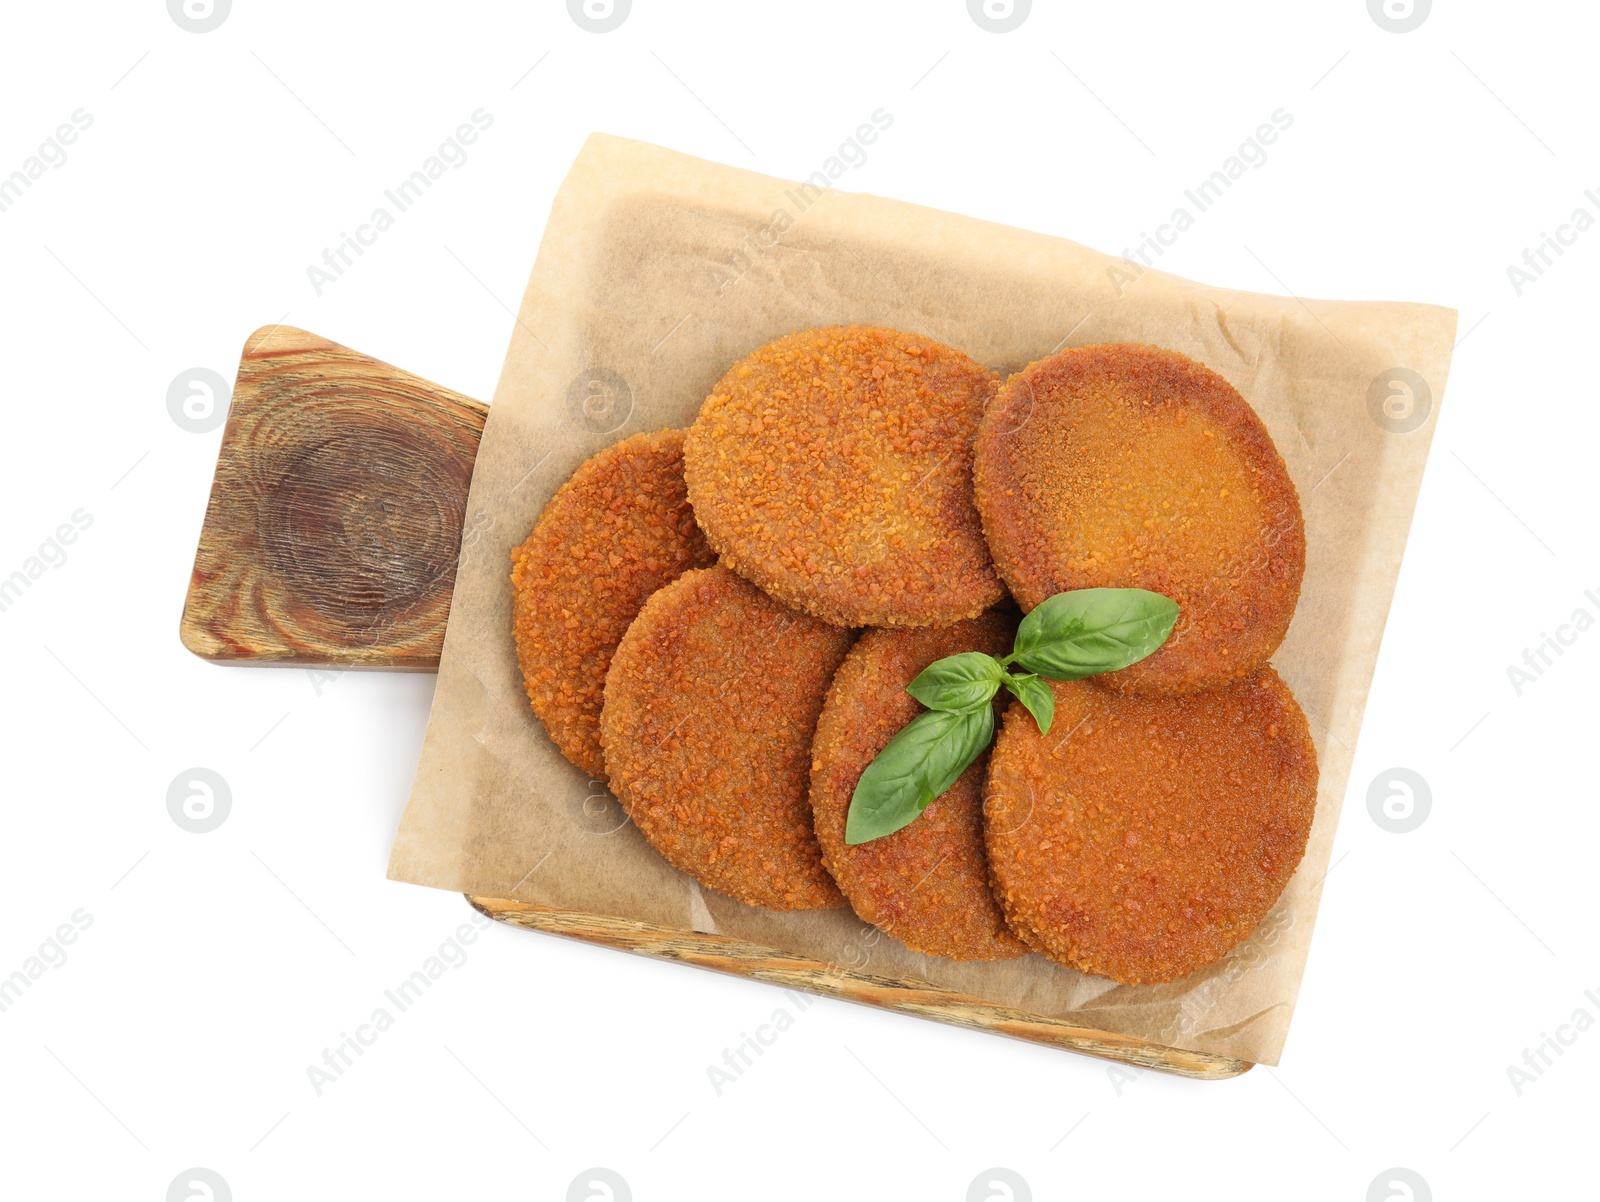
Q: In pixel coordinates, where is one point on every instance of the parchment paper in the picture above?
(656, 272)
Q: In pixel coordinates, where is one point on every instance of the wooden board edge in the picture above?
(721, 953)
(195, 640)
(281, 341)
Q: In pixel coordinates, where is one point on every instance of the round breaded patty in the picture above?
(711, 704)
(1135, 467)
(1145, 837)
(617, 531)
(928, 883)
(833, 468)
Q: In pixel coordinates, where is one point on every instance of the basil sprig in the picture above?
(1067, 637)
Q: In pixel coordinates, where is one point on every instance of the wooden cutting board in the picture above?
(331, 539)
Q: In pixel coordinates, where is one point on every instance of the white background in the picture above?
(218, 967)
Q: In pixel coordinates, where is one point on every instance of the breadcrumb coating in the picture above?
(833, 468)
(711, 704)
(617, 531)
(928, 883)
(1130, 466)
(1145, 837)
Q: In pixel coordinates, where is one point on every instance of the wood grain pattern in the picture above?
(331, 539)
(734, 956)
(336, 512)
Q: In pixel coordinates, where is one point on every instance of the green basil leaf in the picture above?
(957, 682)
(1087, 631)
(914, 767)
(1036, 696)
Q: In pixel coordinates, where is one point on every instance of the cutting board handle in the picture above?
(336, 512)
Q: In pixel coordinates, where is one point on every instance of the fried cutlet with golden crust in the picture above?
(1145, 837)
(617, 531)
(928, 883)
(833, 469)
(1128, 466)
(711, 704)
